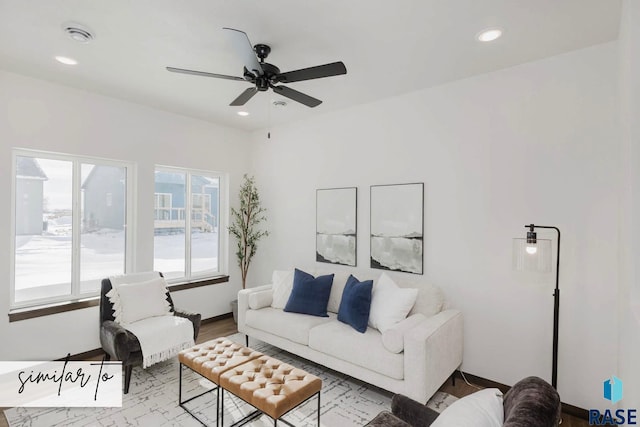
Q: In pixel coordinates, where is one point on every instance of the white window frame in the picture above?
(130, 208)
(223, 203)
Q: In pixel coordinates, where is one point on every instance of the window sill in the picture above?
(47, 310)
(198, 283)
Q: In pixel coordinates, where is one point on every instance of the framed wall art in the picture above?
(336, 225)
(397, 227)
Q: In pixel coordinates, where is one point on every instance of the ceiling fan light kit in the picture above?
(265, 76)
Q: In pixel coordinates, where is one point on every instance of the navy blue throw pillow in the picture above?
(356, 304)
(310, 295)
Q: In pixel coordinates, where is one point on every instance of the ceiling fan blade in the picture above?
(244, 97)
(317, 72)
(300, 97)
(243, 46)
(202, 73)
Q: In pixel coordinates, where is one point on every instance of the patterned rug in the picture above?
(153, 395)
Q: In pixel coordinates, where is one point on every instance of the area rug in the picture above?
(152, 400)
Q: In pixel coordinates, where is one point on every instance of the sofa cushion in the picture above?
(282, 283)
(366, 350)
(480, 409)
(390, 304)
(340, 280)
(309, 295)
(393, 338)
(430, 300)
(335, 297)
(292, 326)
(356, 303)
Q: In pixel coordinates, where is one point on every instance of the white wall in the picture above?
(534, 143)
(38, 115)
(629, 298)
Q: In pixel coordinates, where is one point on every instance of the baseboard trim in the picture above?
(483, 382)
(96, 352)
(216, 318)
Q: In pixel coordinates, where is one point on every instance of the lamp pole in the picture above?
(556, 308)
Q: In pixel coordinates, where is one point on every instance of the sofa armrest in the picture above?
(529, 399)
(260, 299)
(113, 338)
(412, 412)
(432, 352)
(195, 318)
(243, 303)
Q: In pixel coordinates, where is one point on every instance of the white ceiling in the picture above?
(389, 48)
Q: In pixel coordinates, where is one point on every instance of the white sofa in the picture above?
(427, 345)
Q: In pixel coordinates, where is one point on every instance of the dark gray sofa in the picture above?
(531, 402)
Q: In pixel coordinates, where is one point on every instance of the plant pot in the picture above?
(234, 310)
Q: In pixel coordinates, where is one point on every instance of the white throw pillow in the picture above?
(393, 338)
(480, 409)
(390, 304)
(282, 281)
(137, 301)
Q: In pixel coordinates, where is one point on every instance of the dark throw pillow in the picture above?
(356, 303)
(310, 295)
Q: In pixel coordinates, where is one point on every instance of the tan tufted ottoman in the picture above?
(271, 386)
(211, 359)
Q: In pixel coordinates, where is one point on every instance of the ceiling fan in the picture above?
(264, 76)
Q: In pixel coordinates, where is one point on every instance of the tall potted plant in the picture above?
(245, 227)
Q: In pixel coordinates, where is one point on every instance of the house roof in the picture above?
(28, 167)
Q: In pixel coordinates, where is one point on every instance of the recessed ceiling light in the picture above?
(66, 61)
(243, 113)
(489, 34)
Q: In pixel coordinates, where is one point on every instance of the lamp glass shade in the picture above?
(535, 257)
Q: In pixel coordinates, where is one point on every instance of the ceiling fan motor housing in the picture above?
(269, 76)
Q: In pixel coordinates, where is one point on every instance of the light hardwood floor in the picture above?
(225, 327)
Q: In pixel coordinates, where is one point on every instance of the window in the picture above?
(186, 226)
(70, 217)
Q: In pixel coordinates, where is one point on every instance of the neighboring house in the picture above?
(103, 198)
(169, 202)
(29, 196)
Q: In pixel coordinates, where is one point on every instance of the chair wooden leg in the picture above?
(127, 377)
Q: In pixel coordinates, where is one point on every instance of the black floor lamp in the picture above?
(533, 254)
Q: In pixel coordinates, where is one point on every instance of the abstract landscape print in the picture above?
(336, 211)
(397, 213)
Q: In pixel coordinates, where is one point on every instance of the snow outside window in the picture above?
(186, 228)
(70, 217)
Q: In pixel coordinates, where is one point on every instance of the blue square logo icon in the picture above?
(613, 389)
